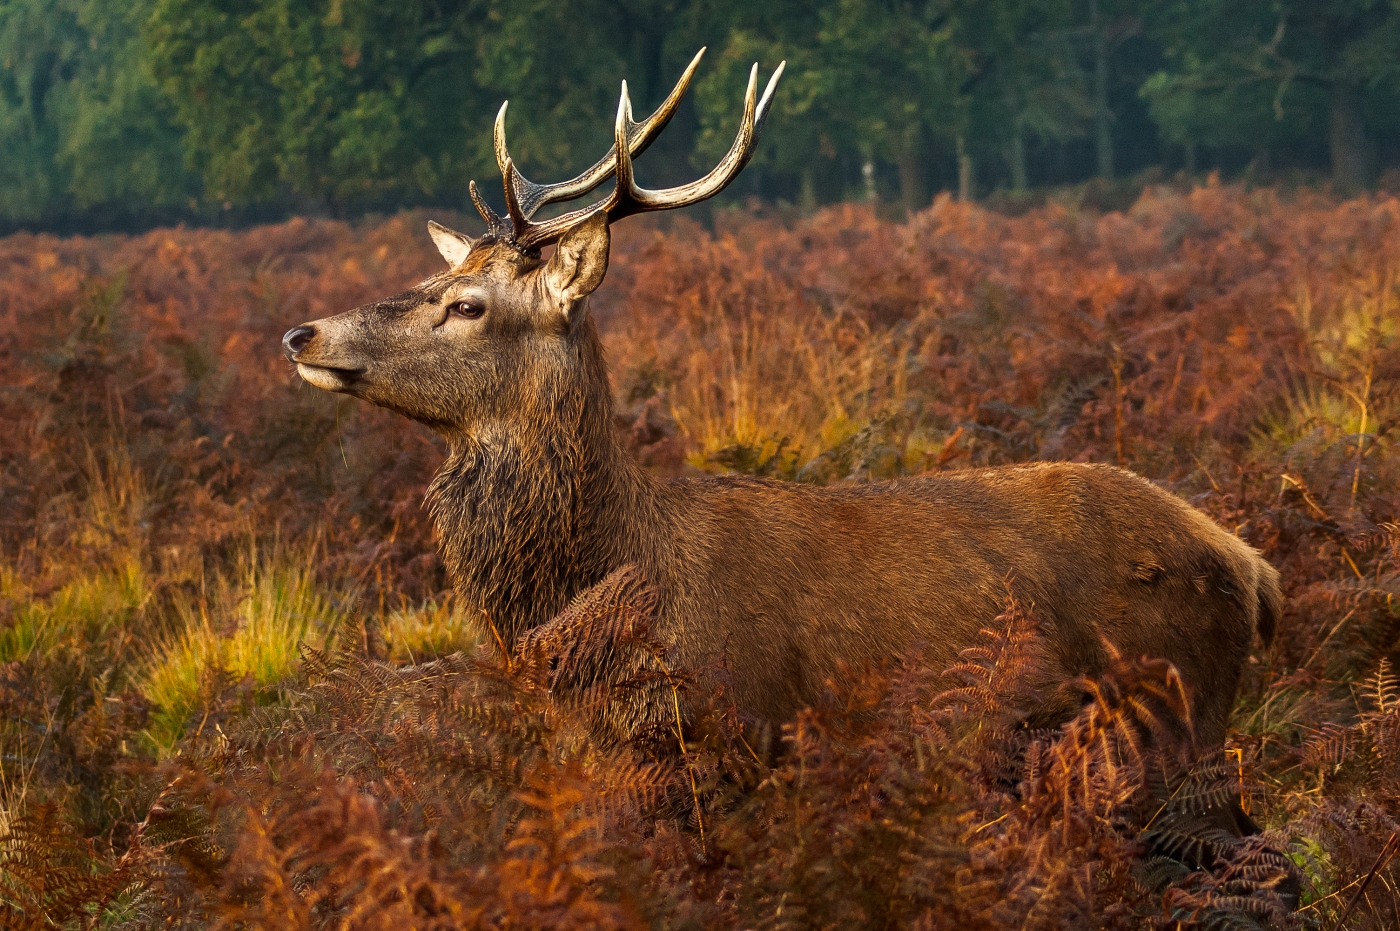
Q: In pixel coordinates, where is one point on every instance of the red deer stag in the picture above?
(783, 585)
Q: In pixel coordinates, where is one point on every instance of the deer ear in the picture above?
(452, 244)
(578, 264)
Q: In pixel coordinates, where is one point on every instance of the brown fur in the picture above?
(783, 586)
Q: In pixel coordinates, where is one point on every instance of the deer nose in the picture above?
(296, 339)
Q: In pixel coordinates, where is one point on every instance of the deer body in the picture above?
(776, 587)
(781, 588)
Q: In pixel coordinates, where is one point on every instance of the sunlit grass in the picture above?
(279, 607)
(253, 627)
(27, 634)
(177, 678)
(1350, 331)
(90, 606)
(117, 500)
(1311, 410)
(431, 630)
(103, 573)
(28, 629)
(808, 384)
(1348, 327)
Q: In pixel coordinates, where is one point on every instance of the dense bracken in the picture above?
(235, 691)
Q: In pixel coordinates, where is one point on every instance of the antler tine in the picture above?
(627, 198)
(767, 99)
(496, 227)
(524, 196)
(634, 199)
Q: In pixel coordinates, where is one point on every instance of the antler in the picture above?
(524, 197)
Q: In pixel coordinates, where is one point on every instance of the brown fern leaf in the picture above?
(1155, 873)
(1382, 689)
(604, 666)
(1198, 848)
(1252, 885)
(1329, 747)
(601, 622)
(1213, 783)
(994, 677)
(634, 784)
(48, 877)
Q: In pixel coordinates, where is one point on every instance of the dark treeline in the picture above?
(119, 115)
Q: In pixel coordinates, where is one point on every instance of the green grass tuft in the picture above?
(430, 631)
(252, 628)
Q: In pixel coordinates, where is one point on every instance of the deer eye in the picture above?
(469, 309)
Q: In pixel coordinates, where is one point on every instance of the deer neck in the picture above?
(532, 512)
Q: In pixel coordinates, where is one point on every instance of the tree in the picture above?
(560, 63)
(342, 101)
(866, 80)
(328, 100)
(1250, 73)
(82, 126)
(1024, 81)
(907, 84)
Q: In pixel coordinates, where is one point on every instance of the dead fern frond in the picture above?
(603, 664)
(1383, 689)
(584, 642)
(1211, 784)
(1155, 873)
(49, 879)
(995, 678)
(1329, 747)
(1253, 887)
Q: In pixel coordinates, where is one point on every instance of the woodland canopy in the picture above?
(122, 115)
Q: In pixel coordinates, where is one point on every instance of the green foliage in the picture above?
(187, 107)
(347, 101)
(81, 124)
(903, 83)
(1261, 74)
(310, 98)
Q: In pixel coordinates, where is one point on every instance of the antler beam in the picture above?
(530, 196)
(524, 197)
(630, 199)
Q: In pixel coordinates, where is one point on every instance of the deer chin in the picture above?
(327, 378)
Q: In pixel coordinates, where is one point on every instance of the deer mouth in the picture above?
(328, 378)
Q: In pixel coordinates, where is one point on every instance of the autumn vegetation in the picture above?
(236, 690)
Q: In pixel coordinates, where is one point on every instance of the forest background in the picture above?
(128, 115)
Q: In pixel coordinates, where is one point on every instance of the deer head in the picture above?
(503, 330)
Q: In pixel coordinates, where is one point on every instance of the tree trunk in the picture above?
(1189, 157)
(807, 196)
(1103, 135)
(1020, 180)
(966, 180)
(911, 182)
(1263, 163)
(867, 176)
(1351, 151)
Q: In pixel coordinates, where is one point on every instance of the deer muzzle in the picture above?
(295, 345)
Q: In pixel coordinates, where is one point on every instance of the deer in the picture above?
(784, 586)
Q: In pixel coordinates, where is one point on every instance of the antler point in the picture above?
(630, 138)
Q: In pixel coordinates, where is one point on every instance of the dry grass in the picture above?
(233, 686)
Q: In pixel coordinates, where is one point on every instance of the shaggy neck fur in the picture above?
(532, 511)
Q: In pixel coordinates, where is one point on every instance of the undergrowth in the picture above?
(236, 691)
